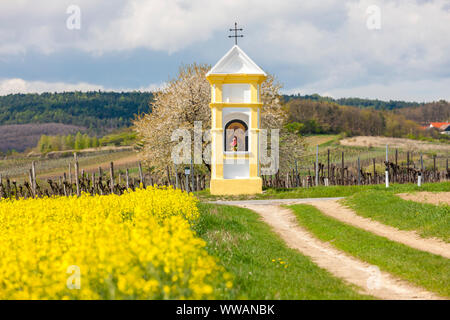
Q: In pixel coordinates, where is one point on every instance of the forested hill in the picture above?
(356, 102)
(98, 111)
(422, 113)
(93, 110)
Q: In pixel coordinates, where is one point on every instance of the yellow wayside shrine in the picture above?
(235, 111)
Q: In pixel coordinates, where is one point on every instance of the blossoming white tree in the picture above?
(186, 99)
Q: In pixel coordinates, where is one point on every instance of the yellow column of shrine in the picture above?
(235, 110)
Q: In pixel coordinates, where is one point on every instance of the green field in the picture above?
(249, 249)
(263, 266)
(429, 220)
(424, 269)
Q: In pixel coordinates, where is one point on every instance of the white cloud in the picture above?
(317, 28)
(17, 85)
(322, 43)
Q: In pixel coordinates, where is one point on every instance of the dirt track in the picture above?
(436, 198)
(338, 263)
(401, 143)
(335, 210)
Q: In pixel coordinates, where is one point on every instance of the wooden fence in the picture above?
(354, 173)
(76, 181)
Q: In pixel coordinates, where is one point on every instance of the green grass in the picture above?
(331, 191)
(427, 219)
(323, 140)
(424, 269)
(246, 247)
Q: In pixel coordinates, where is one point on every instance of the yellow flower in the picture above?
(139, 245)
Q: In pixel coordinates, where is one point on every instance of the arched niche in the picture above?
(236, 136)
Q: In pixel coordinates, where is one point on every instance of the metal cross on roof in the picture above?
(235, 33)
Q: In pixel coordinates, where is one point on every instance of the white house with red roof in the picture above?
(443, 127)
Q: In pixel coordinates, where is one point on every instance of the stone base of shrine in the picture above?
(236, 186)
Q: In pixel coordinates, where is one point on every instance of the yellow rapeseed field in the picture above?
(139, 245)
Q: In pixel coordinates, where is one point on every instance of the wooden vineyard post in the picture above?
(8, 187)
(64, 183)
(77, 179)
(180, 176)
(395, 173)
(168, 175)
(342, 169)
(359, 172)
(421, 162)
(30, 177)
(111, 173)
(407, 160)
(317, 166)
(187, 182)
(328, 165)
(15, 189)
(93, 182)
(192, 176)
(70, 174)
(141, 175)
(434, 168)
(33, 177)
(177, 182)
(127, 178)
(407, 166)
(374, 171)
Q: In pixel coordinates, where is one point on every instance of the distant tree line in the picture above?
(69, 142)
(79, 141)
(430, 112)
(97, 111)
(356, 102)
(315, 117)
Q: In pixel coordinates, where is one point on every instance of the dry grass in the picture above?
(400, 143)
(436, 198)
(315, 140)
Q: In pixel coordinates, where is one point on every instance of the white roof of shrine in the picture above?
(235, 61)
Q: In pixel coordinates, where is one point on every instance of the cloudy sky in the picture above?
(331, 47)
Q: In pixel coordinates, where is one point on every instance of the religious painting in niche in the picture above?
(236, 138)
